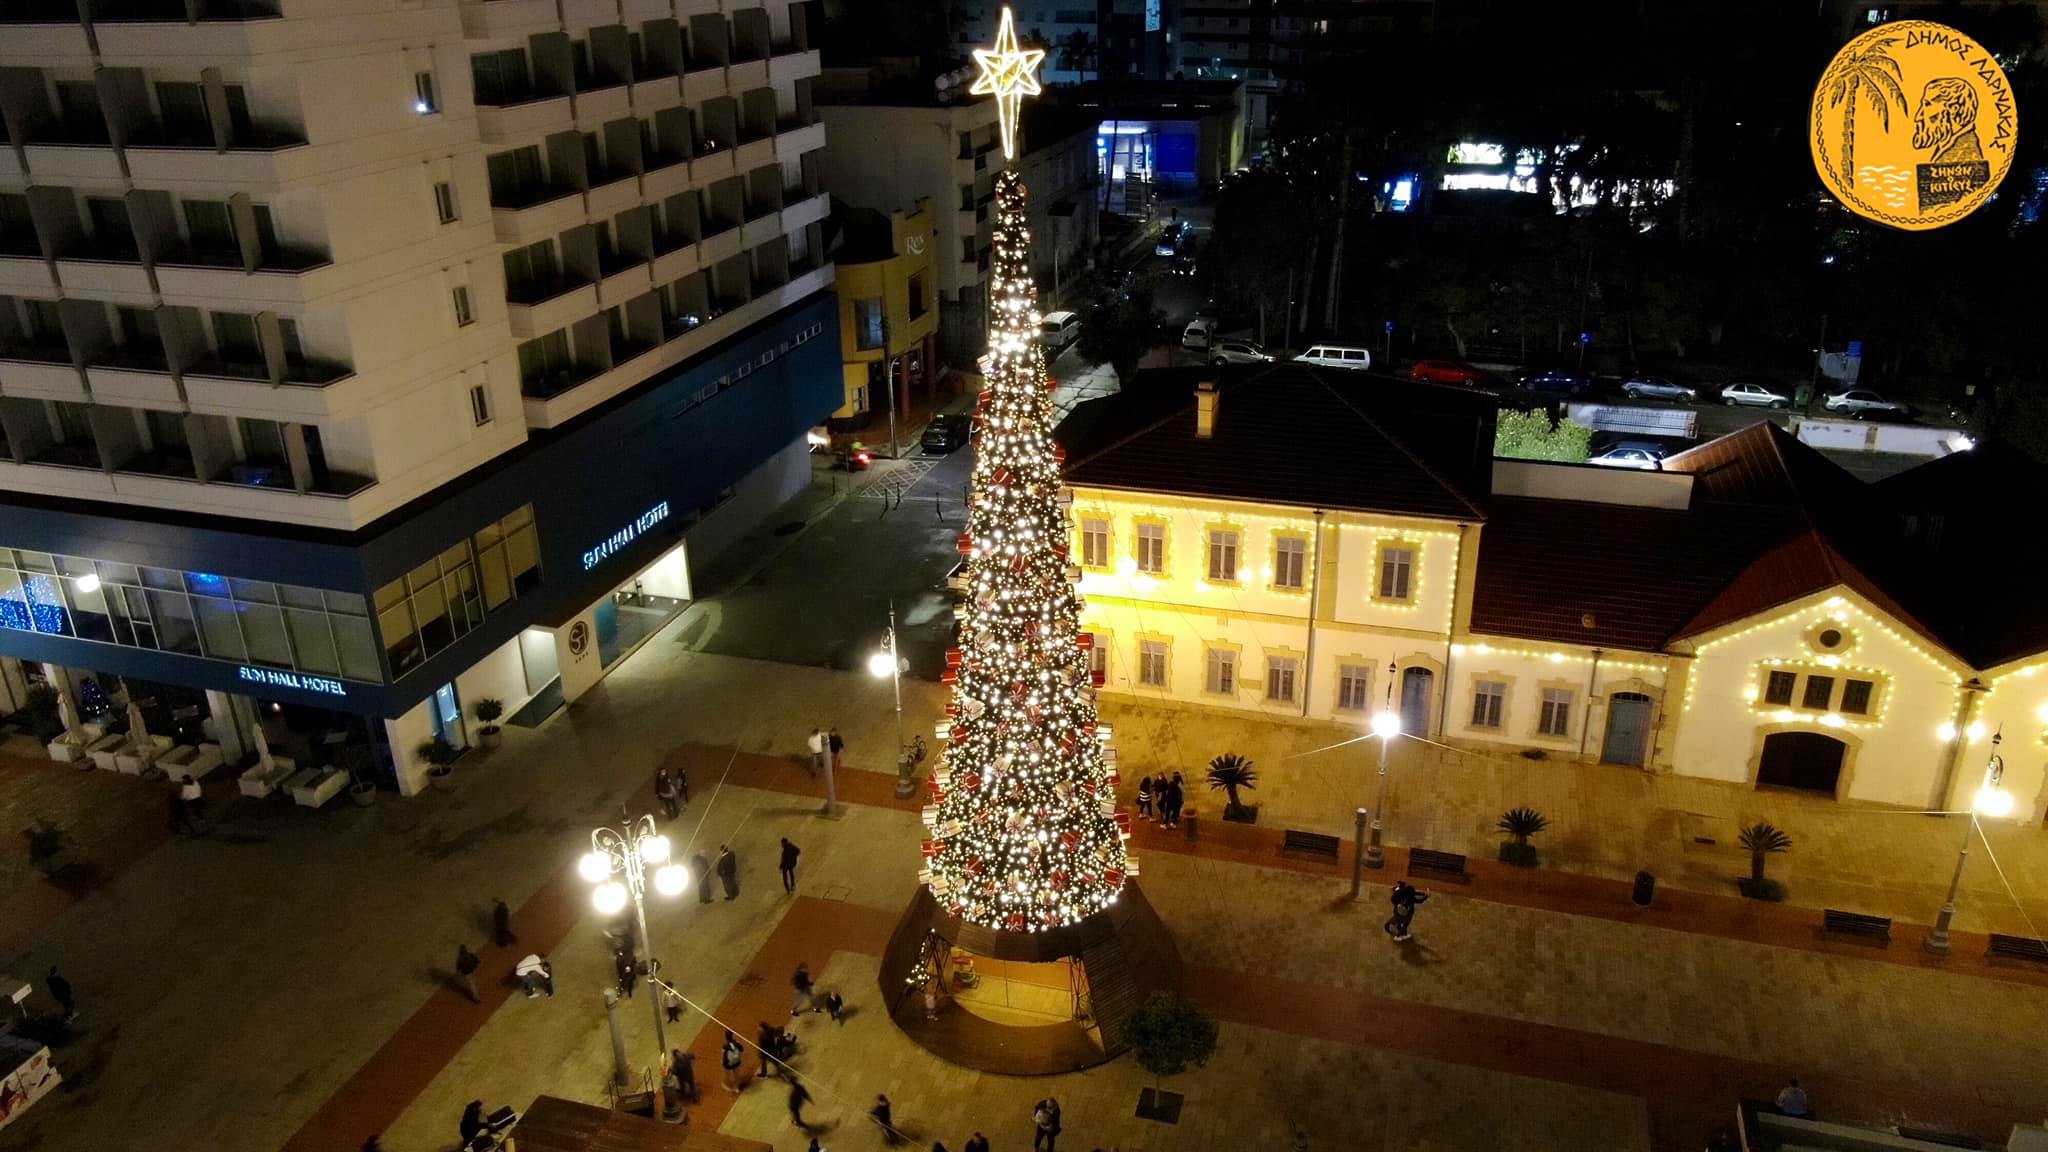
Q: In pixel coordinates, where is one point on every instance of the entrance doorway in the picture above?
(1807, 761)
(1417, 685)
(446, 714)
(1628, 729)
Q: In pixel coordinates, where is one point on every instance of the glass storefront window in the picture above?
(449, 596)
(218, 629)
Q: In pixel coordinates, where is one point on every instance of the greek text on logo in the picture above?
(281, 679)
(625, 536)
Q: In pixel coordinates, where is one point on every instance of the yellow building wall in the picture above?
(888, 280)
(2013, 707)
(1526, 668)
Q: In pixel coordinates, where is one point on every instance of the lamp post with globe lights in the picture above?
(885, 661)
(618, 864)
(1386, 724)
(1991, 800)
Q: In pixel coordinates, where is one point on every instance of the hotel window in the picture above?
(1222, 556)
(867, 323)
(1095, 543)
(1152, 663)
(464, 314)
(423, 99)
(1820, 691)
(1354, 683)
(1397, 568)
(1220, 675)
(1487, 698)
(1556, 716)
(444, 202)
(1151, 548)
(480, 404)
(1290, 561)
(1280, 673)
(1856, 696)
(1778, 687)
(915, 295)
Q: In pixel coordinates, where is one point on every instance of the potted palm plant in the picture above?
(440, 756)
(487, 712)
(1761, 840)
(361, 788)
(1227, 774)
(1520, 823)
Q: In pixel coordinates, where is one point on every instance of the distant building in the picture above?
(888, 312)
(1059, 169)
(1325, 545)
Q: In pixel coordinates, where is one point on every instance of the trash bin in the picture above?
(1646, 887)
(1187, 821)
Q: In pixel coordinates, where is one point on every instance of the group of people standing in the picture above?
(824, 742)
(1167, 795)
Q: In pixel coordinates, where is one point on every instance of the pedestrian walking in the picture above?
(815, 1146)
(837, 746)
(768, 1038)
(466, 964)
(728, 871)
(730, 1056)
(819, 749)
(1792, 1100)
(1300, 1139)
(976, 1143)
(1044, 1126)
(684, 1065)
(501, 925)
(1144, 797)
(789, 854)
(798, 1097)
(835, 1005)
(60, 991)
(629, 972)
(881, 1114)
(374, 1144)
(1175, 797)
(702, 868)
(195, 803)
(682, 779)
(1404, 898)
(665, 791)
(806, 994)
(472, 1122)
(938, 1146)
(180, 817)
(672, 1003)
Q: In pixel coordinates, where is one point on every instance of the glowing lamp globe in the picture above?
(882, 664)
(594, 866)
(1385, 725)
(88, 583)
(671, 879)
(1991, 800)
(609, 898)
(654, 849)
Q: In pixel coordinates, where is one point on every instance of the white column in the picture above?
(13, 685)
(227, 726)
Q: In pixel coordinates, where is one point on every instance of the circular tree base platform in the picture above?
(1125, 951)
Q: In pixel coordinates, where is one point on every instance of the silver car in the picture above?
(1864, 404)
(1647, 457)
(1237, 352)
(1657, 388)
(1754, 396)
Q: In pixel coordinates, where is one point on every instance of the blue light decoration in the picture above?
(208, 583)
(46, 605)
(14, 612)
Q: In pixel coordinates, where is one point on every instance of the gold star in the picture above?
(1007, 74)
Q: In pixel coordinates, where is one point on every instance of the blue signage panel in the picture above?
(279, 678)
(625, 536)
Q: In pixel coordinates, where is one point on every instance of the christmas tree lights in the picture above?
(1024, 830)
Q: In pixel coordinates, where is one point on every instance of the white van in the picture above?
(1198, 333)
(1336, 356)
(1056, 330)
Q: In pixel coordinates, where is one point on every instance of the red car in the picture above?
(1445, 372)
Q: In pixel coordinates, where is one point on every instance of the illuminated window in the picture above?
(1556, 717)
(1778, 687)
(1487, 698)
(1397, 569)
(1223, 556)
(1220, 675)
(1152, 663)
(1098, 654)
(1095, 543)
(1354, 683)
(423, 99)
(1290, 561)
(1820, 690)
(1151, 549)
(1280, 674)
(1856, 696)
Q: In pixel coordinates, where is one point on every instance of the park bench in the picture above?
(1856, 924)
(1449, 865)
(1313, 843)
(2017, 947)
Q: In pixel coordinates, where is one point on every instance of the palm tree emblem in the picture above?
(1868, 71)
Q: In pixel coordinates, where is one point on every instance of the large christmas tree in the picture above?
(1025, 835)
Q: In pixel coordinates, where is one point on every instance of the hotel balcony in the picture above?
(285, 280)
(530, 119)
(536, 309)
(26, 273)
(507, 19)
(535, 212)
(40, 372)
(263, 160)
(106, 273)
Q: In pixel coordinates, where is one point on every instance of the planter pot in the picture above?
(441, 776)
(363, 794)
(1242, 814)
(1159, 1104)
(487, 738)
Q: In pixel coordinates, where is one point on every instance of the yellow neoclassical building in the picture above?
(1292, 543)
(888, 317)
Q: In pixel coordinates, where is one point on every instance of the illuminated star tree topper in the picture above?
(1006, 74)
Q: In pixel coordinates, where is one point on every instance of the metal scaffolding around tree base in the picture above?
(1125, 951)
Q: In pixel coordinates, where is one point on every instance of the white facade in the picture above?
(307, 265)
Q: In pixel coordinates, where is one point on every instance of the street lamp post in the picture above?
(889, 662)
(1386, 725)
(617, 863)
(1990, 800)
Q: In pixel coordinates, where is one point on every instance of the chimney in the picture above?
(1205, 409)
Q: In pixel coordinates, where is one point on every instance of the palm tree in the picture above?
(1869, 71)
(1522, 823)
(1761, 840)
(1229, 772)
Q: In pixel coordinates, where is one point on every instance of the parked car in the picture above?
(1198, 333)
(1657, 388)
(1557, 382)
(1864, 404)
(1631, 454)
(1337, 356)
(1237, 352)
(1754, 396)
(1444, 372)
(945, 433)
(1056, 330)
